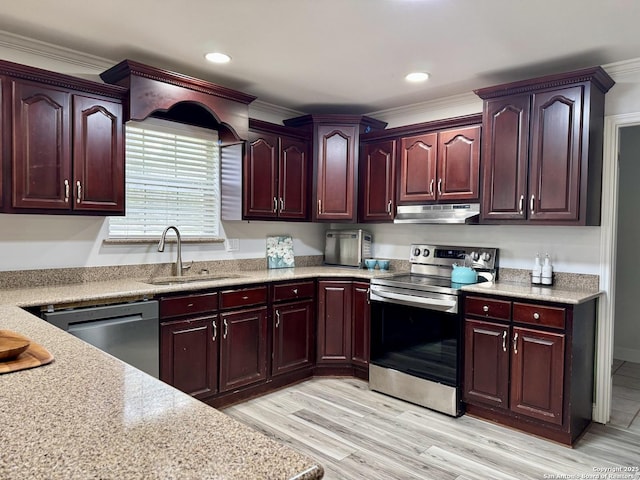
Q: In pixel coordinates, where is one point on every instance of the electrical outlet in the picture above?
(232, 244)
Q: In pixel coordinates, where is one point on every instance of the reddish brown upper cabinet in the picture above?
(67, 143)
(275, 180)
(377, 181)
(529, 365)
(335, 162)
(440, 166)
(542, 149)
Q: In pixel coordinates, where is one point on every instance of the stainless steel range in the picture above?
(416, 326)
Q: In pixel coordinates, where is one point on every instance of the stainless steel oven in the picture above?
(416, 326)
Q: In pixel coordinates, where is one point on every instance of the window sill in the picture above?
(151, 241)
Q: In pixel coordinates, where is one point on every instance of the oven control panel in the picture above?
(440, 255)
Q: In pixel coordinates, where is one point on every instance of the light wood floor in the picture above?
(355, 433)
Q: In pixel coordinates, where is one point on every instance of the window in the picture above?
(172, 178)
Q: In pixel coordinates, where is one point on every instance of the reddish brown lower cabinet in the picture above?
(243, 348)
(361, 320)
(487, 363)
(189, 336)
(334, 322)
(293, 336)
(189, 356)
(343, 327)
(529, 365)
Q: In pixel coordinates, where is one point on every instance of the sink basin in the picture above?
(192, 279)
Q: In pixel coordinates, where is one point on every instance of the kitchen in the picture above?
(61, 242)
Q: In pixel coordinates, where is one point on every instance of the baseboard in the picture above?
(626, 354)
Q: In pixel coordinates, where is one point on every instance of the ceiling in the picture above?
(342, 56)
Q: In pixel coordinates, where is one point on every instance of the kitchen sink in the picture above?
(192, 279)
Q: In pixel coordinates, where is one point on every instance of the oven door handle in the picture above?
(434, 303)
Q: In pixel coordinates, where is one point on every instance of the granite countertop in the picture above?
(566, 295)
(89, 415)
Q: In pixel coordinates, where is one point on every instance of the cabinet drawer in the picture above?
(243, 297)
(487, 308)
(292, 291)
(539, 315)
(188, 305)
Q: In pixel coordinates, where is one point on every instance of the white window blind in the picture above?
(172, 178)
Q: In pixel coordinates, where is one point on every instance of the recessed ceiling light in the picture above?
(417, 76)
(217, 57)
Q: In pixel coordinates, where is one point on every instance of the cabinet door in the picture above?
(293, 336)
(243, 348)
(459, 164)
(98, 155)
(537, 374)
(486, 363)
(260, 175)
(334, 322)
(336, 172)
(556, 155)
(293, 178)
(505, 155)
(41, 161)
(361, 324)
(418, 157)
(377, 182)
(189, 355)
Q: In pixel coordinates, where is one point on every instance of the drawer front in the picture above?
(188, 305)
(292, 291)
(487, 308)
(243, 297)
(543, 315)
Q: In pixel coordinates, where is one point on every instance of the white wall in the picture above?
(627, 326)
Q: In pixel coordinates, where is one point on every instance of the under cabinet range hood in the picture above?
(463, 213)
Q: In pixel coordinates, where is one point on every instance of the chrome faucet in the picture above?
(179, 266)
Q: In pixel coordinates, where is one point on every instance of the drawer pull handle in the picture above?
(485, 308)
(504, 341)
(277, 318)
(190, 305)
(536, 316)
(245, 297)
(226, 328)
(215, 330)
(515, 343)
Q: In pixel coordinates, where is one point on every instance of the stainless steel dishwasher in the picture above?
(128, 331)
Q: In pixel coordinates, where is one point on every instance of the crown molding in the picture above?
(53, 52)
(625, 68)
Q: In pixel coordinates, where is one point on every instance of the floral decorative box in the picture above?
(280, 252)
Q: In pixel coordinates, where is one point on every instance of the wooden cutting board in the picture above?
(34, 356)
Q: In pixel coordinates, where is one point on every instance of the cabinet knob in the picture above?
(485, 308)
(295, 291)
(536, 316)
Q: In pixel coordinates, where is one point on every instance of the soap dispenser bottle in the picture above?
(547, 271)
(536, 273)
